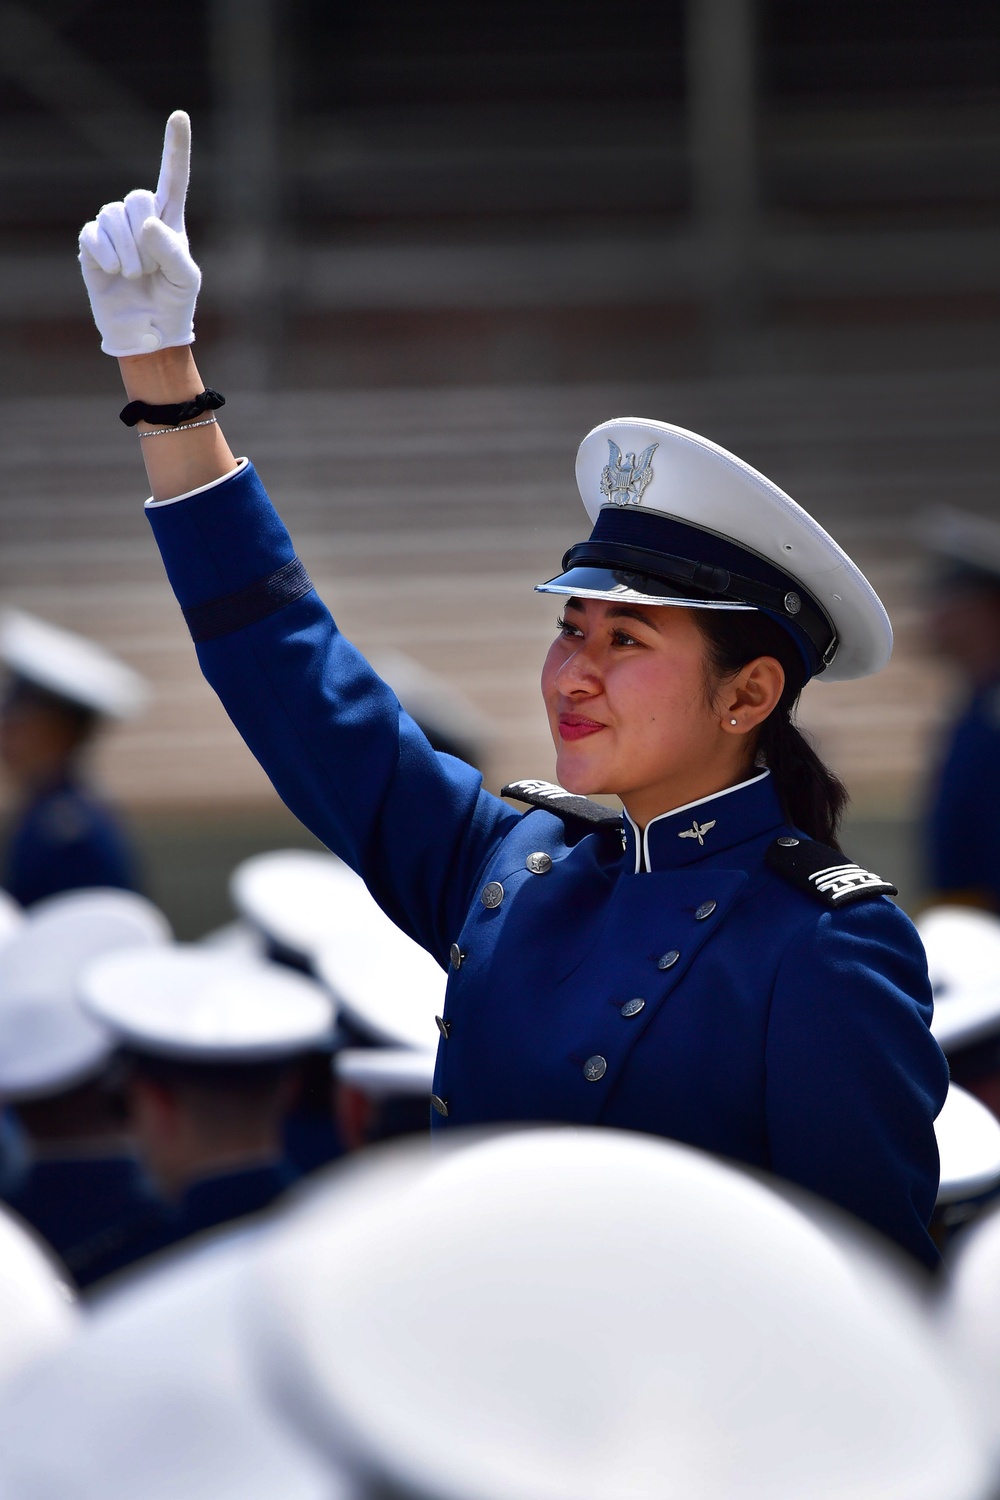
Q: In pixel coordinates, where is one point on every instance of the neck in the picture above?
(645, 806)
(180, 1175)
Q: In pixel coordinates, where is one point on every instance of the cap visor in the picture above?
(609, 583)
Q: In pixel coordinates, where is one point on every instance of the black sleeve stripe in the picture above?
(258, 600)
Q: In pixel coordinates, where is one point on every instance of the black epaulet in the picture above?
(564, 804)
(824, 873)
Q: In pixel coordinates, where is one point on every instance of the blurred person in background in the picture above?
(709, 967)
(208, 1044)
(77, 1174)
(381, 1093)
(61, 691)
(963, 623)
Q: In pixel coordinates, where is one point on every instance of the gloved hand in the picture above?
(136, 264)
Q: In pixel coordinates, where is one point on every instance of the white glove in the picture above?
(136, 264)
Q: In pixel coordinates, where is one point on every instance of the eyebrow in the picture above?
(620, 612)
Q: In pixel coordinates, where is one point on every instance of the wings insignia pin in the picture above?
(625, 477)
(697, 831)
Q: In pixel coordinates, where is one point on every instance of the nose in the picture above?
(580, 674)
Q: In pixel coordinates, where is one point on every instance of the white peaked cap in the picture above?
(611, 1315)
(69, 665)
(313, 905)
(961, 537)
(188, 1003)
(47, 1043)
(156, 1397)
(963, 960)
(695, 482)
(968, 1138)
(384, 1072)
(37, 1307)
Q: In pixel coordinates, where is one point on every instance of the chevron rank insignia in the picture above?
(824, 873)
(554, 799)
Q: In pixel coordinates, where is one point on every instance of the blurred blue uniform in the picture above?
(964, 817)
(205, 1204)
(772, 1029)
(71, 1199)
(66, 839)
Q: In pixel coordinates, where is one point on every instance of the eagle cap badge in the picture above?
(625, 477)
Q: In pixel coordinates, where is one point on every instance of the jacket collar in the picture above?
(689, 833)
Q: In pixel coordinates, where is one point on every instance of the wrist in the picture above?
(164, 377)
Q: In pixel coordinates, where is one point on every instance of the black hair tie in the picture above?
(171, 416)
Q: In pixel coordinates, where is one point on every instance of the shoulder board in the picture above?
(554, 799)
(823, 873)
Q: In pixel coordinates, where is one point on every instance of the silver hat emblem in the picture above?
(697, 831)
(625, 479)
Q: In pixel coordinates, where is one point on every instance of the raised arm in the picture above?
(143, 285)
(330, 734)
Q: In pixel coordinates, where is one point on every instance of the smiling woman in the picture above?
(708, 967)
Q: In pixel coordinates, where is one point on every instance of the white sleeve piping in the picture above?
(152, 504)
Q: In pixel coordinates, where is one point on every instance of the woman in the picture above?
(710, 967)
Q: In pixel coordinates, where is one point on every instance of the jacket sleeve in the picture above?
(340, 751)
(854, 1077)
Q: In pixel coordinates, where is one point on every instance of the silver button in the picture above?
(595, 1067)
(633, 1007)
(443, 1026)
(539, 864)
(668, 960)
(705, 910)
(788, 843)
(441, 1105)
(456, 955)
(492, 895)
(793, 603)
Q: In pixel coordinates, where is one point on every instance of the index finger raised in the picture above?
(175, 168)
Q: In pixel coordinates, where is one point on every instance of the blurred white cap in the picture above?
(587, 1315)
(37, 1311)
(189, 1003)
(69, 665)
(47, 1043)
(447, 717)
(11, 916)
(968, 1138)
(384, 1072)
(313, 906)
(963, 960)
(970, 1319)
(157, 1398)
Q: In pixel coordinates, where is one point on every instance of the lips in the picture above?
(576, 727)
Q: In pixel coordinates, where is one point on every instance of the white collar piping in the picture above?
(642, 839)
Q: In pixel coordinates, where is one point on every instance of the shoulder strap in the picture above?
(554, 799)
(823, 873)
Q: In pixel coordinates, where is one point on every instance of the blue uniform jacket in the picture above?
(782, 1034)
(70, 1199)
(964, 819)
(206, 1203)
(66, 839)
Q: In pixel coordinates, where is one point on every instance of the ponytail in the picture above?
(812, 797)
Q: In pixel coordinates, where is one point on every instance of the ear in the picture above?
(752, 694)
(152, 1107)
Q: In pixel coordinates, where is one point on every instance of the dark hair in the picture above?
(812, 797)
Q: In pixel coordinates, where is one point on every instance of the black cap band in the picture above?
(642, 569)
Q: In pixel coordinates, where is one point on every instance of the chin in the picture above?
(577, 774)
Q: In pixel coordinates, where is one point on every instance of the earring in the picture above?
(733, 722)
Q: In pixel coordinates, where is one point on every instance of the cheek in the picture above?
(550, 669)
